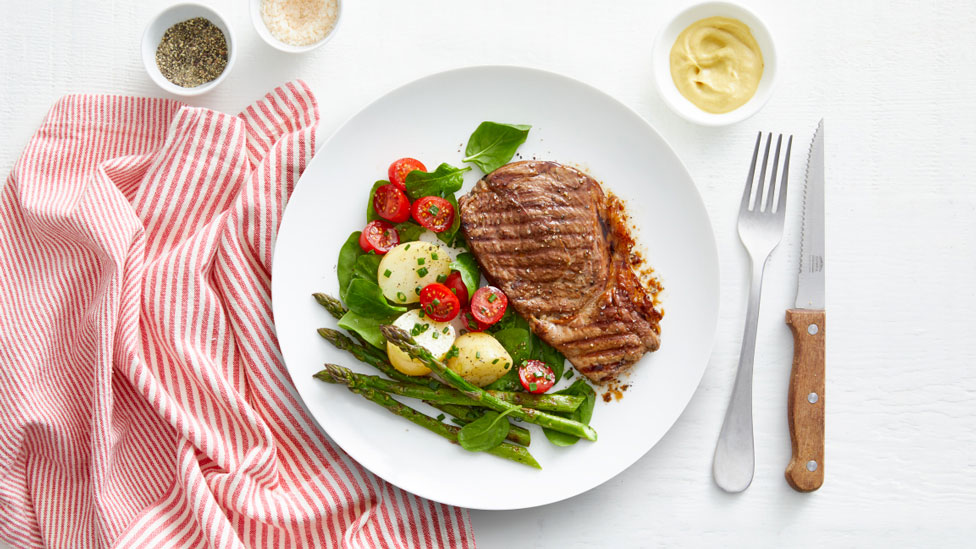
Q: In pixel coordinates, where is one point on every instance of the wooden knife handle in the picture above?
(805, 403)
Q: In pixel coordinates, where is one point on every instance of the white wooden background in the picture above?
(896, 81)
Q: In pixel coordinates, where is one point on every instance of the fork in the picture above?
(760, 230)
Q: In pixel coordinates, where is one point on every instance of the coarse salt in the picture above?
(299, 22)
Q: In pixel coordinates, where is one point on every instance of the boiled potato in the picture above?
(436, 337)
(480, 358)
(409, 267)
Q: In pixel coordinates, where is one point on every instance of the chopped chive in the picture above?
(420, 261)
(434, 256)
(495, 361)
(533, 387)
(417, 290)
(477, 354)
(446, 329)
(452, 353)
(435, 302)
(387, 273)
(433, 209)
(492, 298)
(441, 278)
(420, 312)
(408, 247)
(401, 297)
(440, 417)
(435, 335)
(422, 272)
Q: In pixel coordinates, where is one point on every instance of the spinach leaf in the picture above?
(548, 354)
(408, 231)
(583, 414)
(518, 343)
(348, 255)
(366, 299)
(366, 266)
(468, 267)
(371, 214)
(369, 328)
(445, 180)
(493, 144)
(486, 432)
(510, 319)
(448, 236)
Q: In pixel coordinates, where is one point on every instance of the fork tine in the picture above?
(760, 192)
(781, 205)
(747, 193)
(772, 178)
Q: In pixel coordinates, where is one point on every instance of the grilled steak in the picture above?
(544, 233)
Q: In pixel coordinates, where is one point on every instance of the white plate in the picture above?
(431, 119)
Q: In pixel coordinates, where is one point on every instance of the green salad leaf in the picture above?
(583, 414)
(345, 269)
(486, 432)
(518, 342)
(470, 274)
(548, 354)
(371, 214)
(493, 144)
(366, 299)
(408, 231)
(443, 181)
(366, 266)
(367, 327)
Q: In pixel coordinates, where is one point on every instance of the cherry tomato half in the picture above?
(398, 171)
(378, 236)
(472, 325)
(434, 213)
(392, 203)
(488, 305)
(456, 284)
(439, 302)
(536, 376)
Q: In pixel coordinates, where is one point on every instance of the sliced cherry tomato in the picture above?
(472, 325)
(488, 305)
(439, 302)
(456, 284)
(378, 236)
(536, 376)
(392, 203)
(434, 213)
(398, 171)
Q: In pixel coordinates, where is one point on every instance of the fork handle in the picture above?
(805, 401)
(735, 455)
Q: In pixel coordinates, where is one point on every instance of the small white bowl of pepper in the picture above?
(188, 49)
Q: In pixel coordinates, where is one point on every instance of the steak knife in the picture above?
(805, 402)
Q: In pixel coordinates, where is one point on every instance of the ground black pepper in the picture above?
(192, 52)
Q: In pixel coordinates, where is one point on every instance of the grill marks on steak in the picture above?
(546, 235)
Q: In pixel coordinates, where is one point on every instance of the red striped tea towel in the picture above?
(143, 398)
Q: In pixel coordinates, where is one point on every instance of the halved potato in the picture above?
(407, 268)
(480, 358)
(436, 337)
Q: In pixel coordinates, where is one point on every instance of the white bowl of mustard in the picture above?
(715, 64)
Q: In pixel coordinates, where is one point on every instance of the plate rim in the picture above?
(713, 249)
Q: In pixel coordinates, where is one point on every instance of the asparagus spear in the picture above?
(466, 414)
(446, 395)
(402, 339)
(333, 374)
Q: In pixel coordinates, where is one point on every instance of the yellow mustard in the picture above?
(716, 64)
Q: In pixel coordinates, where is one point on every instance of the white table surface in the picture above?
(896, 83)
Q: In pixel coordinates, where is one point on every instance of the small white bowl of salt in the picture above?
(296, 26)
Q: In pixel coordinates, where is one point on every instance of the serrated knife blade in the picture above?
(805, 400)
(810, 282)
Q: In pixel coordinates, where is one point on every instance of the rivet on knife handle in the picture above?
(805, 403)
